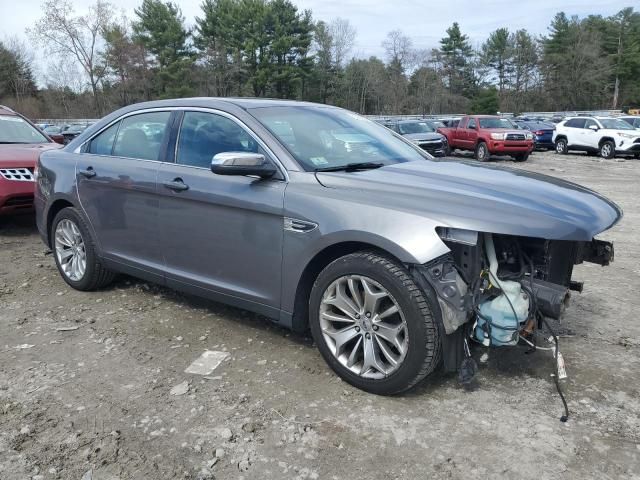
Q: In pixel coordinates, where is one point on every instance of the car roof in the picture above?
(242, 102)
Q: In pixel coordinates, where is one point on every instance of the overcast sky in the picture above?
(425, 21)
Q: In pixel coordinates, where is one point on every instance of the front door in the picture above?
(591, 136)
(222, 234)
(117, 189)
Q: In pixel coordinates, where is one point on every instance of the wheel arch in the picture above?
(53, 210)
(606, 139)
(300, 317)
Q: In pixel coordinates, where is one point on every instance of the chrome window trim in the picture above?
(215, 111)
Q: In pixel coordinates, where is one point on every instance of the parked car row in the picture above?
(63, 133)
(487, 135)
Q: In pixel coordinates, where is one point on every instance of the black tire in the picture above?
(420, 309)
(636, 156)
(521, 157)
(95, 275)
(607, 149)
(482, 152)
(561, 146)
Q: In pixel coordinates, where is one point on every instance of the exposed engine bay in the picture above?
(498, 290)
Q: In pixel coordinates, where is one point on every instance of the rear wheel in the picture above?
(608, 149)
(482, 152)
(561, 146)
(75, 253)
(373, 325)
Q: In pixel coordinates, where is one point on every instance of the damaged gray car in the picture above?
(320, 219)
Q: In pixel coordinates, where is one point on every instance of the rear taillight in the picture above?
(539, 132)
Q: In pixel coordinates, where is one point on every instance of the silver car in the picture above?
(320, 219)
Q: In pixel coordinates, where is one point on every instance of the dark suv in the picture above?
(423, 133)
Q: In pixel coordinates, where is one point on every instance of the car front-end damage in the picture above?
(495, 288)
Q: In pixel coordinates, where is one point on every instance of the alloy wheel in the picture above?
(363, 326)
(606, 150)
(70, 250)
(560, 147)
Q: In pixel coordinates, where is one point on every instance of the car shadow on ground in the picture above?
(18, 225)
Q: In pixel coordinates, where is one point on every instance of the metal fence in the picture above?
(65, 121)
(547, 115)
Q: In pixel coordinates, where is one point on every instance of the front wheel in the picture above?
(608, 149)
(75, 253)
(482, 152)
(373, 325)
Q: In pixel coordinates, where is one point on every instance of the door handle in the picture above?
(88, 173)
(177, 185)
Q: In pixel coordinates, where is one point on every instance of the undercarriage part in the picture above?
(451, 291)
(596, 251)
(551, 299)
(576, 286)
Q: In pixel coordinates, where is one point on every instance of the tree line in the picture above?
(99, 61)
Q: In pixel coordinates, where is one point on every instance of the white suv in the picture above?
(604, 135)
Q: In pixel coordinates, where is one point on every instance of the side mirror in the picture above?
(242, 163)
(594, 128)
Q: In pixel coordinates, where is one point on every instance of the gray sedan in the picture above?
(320, 219)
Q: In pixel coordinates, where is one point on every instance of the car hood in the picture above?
(423, 136)
(23, 154)
(483, 198)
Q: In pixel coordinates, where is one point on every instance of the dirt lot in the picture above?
(85, 381)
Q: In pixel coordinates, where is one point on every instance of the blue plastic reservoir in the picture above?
(504, 324)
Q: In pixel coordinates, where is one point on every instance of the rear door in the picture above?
(116, 178)
(221, 234)
(575, 132)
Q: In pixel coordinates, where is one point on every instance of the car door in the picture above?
(591, 137)
(221, 234)
(575, 132)
(471, 133)
(116, 178)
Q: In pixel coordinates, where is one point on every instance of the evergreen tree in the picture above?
(160, 28)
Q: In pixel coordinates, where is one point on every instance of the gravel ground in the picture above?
(86, 381)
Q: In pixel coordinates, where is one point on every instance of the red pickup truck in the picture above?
(488, 135)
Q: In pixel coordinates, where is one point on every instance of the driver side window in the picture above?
(204, 135)
(589, 123)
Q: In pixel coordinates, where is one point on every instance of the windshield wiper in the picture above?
(352, 167)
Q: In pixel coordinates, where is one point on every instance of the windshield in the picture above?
(497, 123)
(52, 129)
(415, 127)
(14, 129)
(615, 124)
(320, 137)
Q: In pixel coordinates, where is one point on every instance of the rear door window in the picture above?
(472, 124)
(575, 123)
(141, 136)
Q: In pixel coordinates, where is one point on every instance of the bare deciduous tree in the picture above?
(63, 33)
(343, 36)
